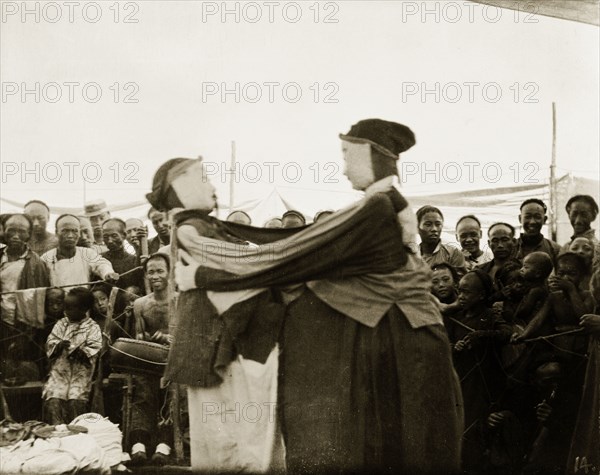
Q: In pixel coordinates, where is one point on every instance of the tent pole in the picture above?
(231, 176)
(553, 204)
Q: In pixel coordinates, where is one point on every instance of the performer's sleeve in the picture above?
(368, 242)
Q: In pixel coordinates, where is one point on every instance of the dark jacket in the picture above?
(35, 272)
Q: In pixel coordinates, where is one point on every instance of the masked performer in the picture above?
(365, 374)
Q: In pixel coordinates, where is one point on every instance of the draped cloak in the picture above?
(366, 376)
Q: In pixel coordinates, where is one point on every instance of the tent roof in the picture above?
(582, 11)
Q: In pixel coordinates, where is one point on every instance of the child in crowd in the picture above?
(536, 269)
(444, 282)
(72, 348)
(566, 303)
(477, 337)
(585, 248)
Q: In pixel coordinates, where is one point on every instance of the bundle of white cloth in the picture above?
(73, 454)
(107, 435)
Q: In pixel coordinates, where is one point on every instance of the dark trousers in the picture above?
(149, 402)
(58, 411)
(360, 399)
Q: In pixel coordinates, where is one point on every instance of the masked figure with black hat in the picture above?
(365, 371)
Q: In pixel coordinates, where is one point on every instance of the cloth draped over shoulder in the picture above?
(360, 245)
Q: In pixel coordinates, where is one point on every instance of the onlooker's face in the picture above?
(581, 216)
(131, 227)
(529, 270)
(470, 292)
(568, 269)
(292, 221)
(17, 234)
(584, 248)
(468, 234)
(241, 218)
(97, 222)
(442, 284)
(100, 302)
(157, 274)
(67, 231)
(430, 227)
(55, 303)
(73, 309)
(274, 223)
(39, 215)
(160, 223)
(532, 218)
(113, 235)
(357, 164)
(86, 233)
(501, 242)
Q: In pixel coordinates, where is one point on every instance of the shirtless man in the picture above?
(151, 324)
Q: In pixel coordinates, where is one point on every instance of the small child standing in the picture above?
(72, 348)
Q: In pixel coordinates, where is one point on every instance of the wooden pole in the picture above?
(232, 177)
(144, 252)
(174, 388)
(97, 404)
(553, 203)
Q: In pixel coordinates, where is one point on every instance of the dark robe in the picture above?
(353, 397)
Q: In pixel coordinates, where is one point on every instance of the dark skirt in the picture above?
(355, 399)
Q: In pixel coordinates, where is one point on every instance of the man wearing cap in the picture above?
(366, 376)
(41, 240)
(97, 212)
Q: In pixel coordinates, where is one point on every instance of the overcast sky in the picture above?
(374, 61)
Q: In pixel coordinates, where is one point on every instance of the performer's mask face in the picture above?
(194, 189)
(358, 164)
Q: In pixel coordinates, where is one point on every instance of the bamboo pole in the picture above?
(553, 204)
(232, 177)
(174, 388)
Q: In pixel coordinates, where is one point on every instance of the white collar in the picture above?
(380, 185)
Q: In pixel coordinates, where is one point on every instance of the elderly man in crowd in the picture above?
(114, 234)
(73, 265)
(41, 240)
(20, 267)
(468, 234)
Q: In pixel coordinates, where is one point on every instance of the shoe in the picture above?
(138, 455)
(161, 454)
(160, 459)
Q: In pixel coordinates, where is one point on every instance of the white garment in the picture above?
(233, 426)
(78, 269)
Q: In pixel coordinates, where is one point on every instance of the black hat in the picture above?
(161, 185)
(390, 138)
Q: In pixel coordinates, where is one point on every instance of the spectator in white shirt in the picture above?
(73, 265)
